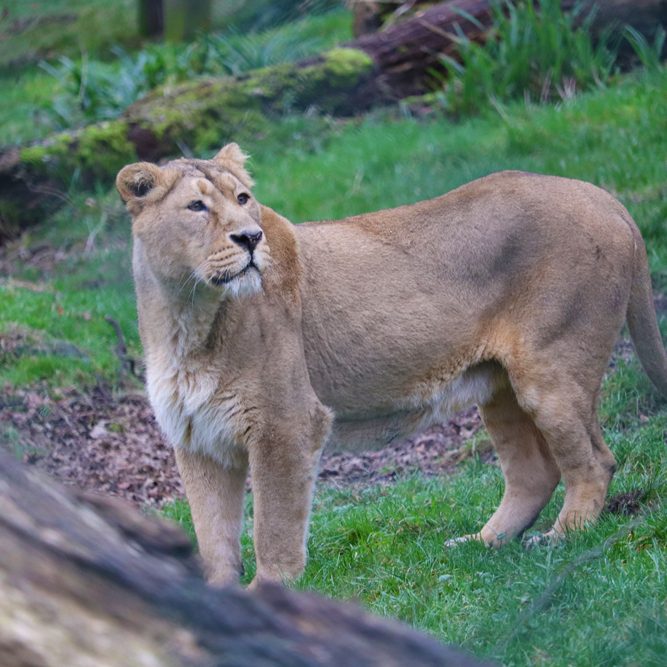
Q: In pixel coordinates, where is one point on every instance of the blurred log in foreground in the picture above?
(203, 114)
(89, 581)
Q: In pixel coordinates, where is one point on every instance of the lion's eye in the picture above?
(243, 198)
(197, 205)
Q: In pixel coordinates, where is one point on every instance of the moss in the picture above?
(326, 83)
(346, 63)
(99, 150)
(201, 114)
(104, 148)
(51, 152)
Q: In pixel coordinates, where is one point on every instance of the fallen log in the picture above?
(195, 115)
(90, 581)
(202, 114)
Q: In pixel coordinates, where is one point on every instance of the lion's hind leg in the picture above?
(530, 471)
(565, 413)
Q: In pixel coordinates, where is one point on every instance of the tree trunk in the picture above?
(406, 54)
(203, 114)
(90, 581)
(151, 18)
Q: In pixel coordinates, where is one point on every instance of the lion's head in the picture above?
(196, 221)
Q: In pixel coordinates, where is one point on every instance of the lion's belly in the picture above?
(417, 412)
(381, 341)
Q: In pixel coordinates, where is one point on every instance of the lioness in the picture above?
(264, 340)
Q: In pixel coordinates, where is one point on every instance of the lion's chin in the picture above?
(247, 283)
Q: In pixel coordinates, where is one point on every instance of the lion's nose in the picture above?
(247, 239)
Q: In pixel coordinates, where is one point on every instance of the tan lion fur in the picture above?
(508, 292)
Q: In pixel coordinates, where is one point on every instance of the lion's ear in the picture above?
(232, 158)
(135, 181)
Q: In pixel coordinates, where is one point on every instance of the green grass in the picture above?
(536, 50)
(25, 105)
(68, 303)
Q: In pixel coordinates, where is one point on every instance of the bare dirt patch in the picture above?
(110, 443)
(96, 441)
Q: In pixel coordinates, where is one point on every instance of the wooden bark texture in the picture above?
(87, 580)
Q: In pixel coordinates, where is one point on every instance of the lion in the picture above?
(265, 341)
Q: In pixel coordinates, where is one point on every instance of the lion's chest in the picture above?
(194, 414)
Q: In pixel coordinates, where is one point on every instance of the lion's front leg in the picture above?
(215, 494)
(283, 470)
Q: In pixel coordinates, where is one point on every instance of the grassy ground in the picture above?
(600, 598)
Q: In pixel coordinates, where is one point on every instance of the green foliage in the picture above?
(264, 14)
(537, 51)
(235, 53)
(649, 55)
(92, 90)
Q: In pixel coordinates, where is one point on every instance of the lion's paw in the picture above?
(550, 538)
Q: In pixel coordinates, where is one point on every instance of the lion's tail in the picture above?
(642, 320)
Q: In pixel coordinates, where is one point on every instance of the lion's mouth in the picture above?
(224, 278)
